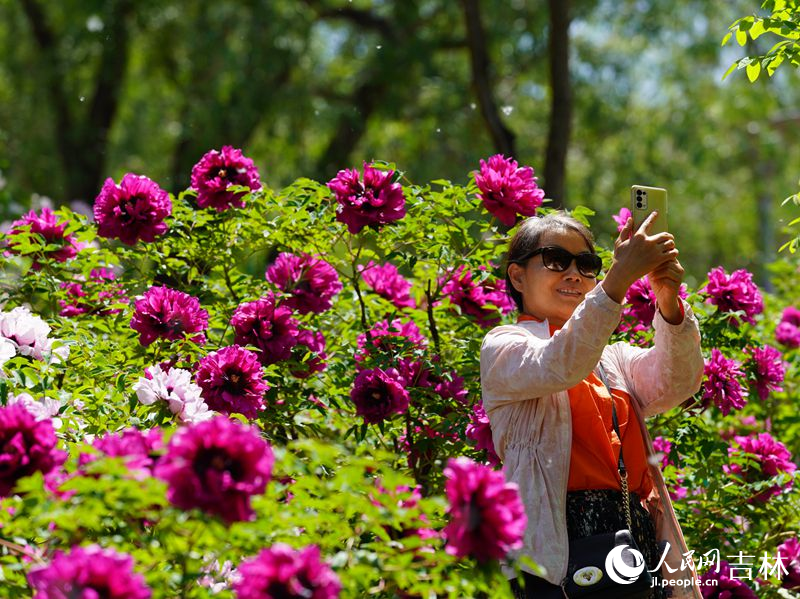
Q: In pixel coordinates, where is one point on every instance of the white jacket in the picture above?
(525, 375)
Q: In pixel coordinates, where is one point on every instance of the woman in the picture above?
(550, 412)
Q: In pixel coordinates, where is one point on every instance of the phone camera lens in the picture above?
(639, 192)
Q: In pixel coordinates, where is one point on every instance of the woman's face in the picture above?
(547, 294)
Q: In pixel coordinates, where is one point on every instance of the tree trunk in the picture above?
(81, 138)
(502, 136)
(561, 102)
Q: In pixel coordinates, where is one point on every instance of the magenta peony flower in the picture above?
(387, 282)
(232, 381)
(621, 218)
(480, 431)
(374, 202)
(722, 384)
(139, 448)
(94, 295)
(789, 552)
(663, 446)
(480, 299)
(282, 572)
(313, 358)
(216, 466)
(51, 231)
(266, 326)
(450, 386)
(642, 300)
(133, 210)
(217, 171)
(88, 573)
(27, 445)
(788, 331)
(377, 396)
(168, 314)
(734, 293)
(768, 369)
(729, 584)
(772, 456)
(310, 282)
(398, 344)
(508, 189)
(487, 518)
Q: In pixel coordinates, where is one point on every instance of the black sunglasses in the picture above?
(558, 259)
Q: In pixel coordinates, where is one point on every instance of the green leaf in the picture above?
(753, 71)
(741, 37)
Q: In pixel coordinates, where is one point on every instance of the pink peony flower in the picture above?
(266, 326)
(768, 369)
(480, 430)
(50, 230)
(387, 282)
(377, 396)
(789, 552)
(642, 300)
(232, 380)
(508, 189)
(734, 293)
(174, 387)
(138, 448)
(219, 170)
(313, 358)
(168, 314)
(29, 335)
(721, 383)
(310, 282)
(728, 584)
(788, 331)
(216, 466)
(621, 218)
(286, 573)
(92, 296)
(773, 459)
(487, 518)
(27, 445)
(480, 299)
(374, 202)
(663, 446)
(88, 573)
(133, 210)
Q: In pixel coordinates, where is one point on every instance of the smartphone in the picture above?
(645, 200)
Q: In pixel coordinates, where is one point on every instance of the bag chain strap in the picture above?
(623, 473)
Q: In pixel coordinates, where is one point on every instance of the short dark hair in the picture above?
(529, 235)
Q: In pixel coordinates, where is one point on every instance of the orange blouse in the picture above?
(595, 445)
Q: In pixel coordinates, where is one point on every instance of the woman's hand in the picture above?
(635, 255)
(666, 284)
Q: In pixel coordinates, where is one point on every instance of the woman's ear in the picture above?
(516, 273)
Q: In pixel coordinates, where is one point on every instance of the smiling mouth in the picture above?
(569, 292)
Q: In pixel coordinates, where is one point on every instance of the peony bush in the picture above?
(240, 391)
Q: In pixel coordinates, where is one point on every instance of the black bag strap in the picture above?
(623, 473)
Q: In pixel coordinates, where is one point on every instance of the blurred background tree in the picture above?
(595, 95)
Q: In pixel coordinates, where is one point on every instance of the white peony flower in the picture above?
(29, 334)
(45, 409)
(7, 350)
(175, 387)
